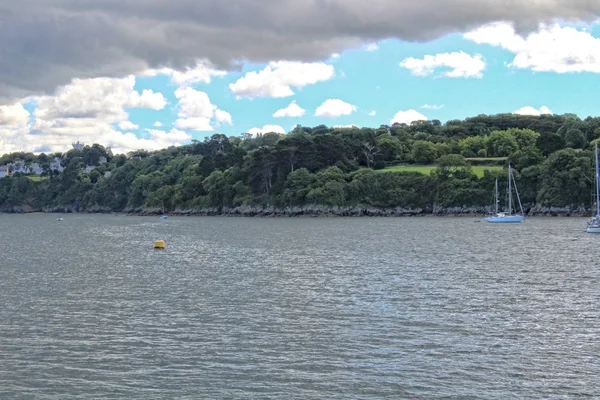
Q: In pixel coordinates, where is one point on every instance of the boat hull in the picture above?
(593, 229)
(505, 219)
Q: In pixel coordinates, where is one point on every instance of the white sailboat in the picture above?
(163, 216)
(501, 217)
(593, 225)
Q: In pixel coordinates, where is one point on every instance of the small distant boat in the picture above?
(593, 225)
(163, 211)
(477, 220)
(501, 217)
(59, 218)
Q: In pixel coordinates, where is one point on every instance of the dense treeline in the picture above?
(321, 166)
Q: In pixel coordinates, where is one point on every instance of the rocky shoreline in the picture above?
(316, 211)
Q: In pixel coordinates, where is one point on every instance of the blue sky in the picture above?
(485, 71)
(373, 80)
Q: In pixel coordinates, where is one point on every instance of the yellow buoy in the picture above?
(159, 244)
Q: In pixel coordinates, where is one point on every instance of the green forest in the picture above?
(424, 167)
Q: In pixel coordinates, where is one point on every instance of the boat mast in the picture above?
(497, 200)
(509, 192)
(517, 192)
(597, 184)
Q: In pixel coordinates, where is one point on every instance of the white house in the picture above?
(19, 166)
(55, 166)
(78, 146)
(36, 169)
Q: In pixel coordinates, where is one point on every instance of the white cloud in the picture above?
(14, 139)
(127, 126)
(85, 110)
(57, 135)
(203, 72)
(408, 116)
(194, 124)
(13, 127)
(196, 112)
(433, 106)
(158, 124)
(161, 139)
(266, 129)
(278, 78)
(14, 115)
(100, 98)
(551, 49)
(372, 47)
(292, 110)
(124, 142)
(528, 110)
(334, 108)
(372, 113)
(148, 99)
(223, 116)
(497, 34)
(130, 35)
(335, 56)
(461, 65)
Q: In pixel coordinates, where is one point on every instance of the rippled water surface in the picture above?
(315, 308)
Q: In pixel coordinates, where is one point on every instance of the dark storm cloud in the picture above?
(45, 43)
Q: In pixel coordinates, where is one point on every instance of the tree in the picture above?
(369, 151)
(568, 179)
(218, 191)
(423, 152)
(297, 186)
(524, 137)
(527, 157)
(324, 166)
(390, 147)
(452, 165)
(548, 143)
(470, 146)
(575, 139)
(501, 144)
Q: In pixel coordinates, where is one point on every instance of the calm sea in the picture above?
(305, 308)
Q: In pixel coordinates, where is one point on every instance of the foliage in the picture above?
(426, 164)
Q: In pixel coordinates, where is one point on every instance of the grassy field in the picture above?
(426, 169)
(37, 178)
(491, 159)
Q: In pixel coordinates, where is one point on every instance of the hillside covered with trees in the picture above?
(321, 169)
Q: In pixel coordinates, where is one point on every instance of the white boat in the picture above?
(59, 218)
(500, 217)
(593, 225)
(163, 216)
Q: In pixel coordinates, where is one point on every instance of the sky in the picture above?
(192, 74)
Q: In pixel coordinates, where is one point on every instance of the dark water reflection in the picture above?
(297, 308)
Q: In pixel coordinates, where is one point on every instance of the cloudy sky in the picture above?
(153, 73)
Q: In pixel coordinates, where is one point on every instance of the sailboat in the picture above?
(593, 225)
(163, 216)
(501, 217)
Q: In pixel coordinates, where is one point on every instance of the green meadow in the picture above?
(426, 169)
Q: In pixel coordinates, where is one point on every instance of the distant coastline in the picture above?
(314, 211)
(424, 168)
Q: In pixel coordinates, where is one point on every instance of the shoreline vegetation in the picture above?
(423, 168)
(318, 211)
